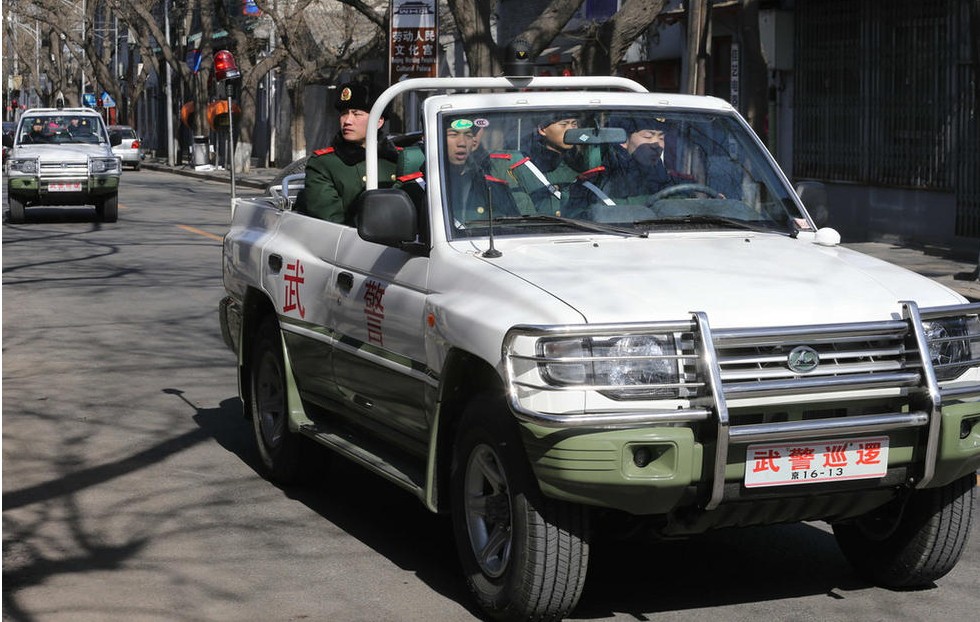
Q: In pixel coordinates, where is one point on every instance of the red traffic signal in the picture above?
(225, 67)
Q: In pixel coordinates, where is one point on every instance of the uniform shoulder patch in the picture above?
(324, 151)
(592, 172)
(411, 176)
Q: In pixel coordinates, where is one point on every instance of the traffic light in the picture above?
(225, 67)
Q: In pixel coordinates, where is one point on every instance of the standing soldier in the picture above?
(335, 176)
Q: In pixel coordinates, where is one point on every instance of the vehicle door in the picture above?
(379, 357)
(299, 270)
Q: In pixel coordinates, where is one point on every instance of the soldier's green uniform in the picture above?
(335, 176)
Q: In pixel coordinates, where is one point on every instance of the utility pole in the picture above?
(169, 92)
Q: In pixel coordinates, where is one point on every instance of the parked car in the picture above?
(128, 149)
(550, 360)
(62, 156)
(9, 127)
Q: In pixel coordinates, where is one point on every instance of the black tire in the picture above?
(107, 208)
(17, 213)
(279, 448)
(294, 167)
(524, 555)
(911, 544)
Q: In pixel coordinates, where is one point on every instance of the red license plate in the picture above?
(65, 187)
(812, 462)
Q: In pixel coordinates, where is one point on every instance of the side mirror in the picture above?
(813, 194)
(387, 216)
(8, 140)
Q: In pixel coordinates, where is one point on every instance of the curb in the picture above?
(222, 176)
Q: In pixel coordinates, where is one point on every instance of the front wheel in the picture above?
(912, 543)
(17, 213)
(107, 209)
(279, 447)
(524, 555)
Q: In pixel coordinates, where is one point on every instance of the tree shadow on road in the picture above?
(85, 547)
(635, 577)
(379, 514)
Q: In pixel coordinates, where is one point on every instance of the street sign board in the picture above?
(413, 49)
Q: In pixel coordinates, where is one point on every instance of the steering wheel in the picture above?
(670, 191)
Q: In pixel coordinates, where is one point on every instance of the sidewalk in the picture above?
(957, 273)
(257, 178)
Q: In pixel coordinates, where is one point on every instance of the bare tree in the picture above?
(605, 43)
(484, 56)
(322, 41)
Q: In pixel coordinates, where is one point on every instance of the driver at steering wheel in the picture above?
(637, 167)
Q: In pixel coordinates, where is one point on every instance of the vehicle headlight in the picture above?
(103, 165)
(953, 343)
(614, 364)
(24, 165)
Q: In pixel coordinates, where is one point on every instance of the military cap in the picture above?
(634, 124)
(353, 96)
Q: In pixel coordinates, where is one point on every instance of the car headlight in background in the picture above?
(953, 343)
(614, 364)
(104, 165)
(24, 165)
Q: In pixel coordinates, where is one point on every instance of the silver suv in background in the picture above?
(62, 156)
(128, 149)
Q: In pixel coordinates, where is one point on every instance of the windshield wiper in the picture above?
(692, 219)
(571, 222)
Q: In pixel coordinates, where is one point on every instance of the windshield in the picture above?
(622, 171)
(60, 129)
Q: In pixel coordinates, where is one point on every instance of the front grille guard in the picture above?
(893, 361)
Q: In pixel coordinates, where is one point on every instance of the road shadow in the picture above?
(43, 214)
(636, 577)
(85, 550)
(379, 514)
(718, 569)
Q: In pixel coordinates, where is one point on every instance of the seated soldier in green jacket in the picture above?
(335, 176)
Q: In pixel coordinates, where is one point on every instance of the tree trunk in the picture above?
(606, 45)
(754, 79)
(698, 39)
(473, 21)
(298, 127)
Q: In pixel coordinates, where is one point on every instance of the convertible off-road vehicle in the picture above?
(550, 361)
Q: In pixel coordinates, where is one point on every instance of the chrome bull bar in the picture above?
(905, 366)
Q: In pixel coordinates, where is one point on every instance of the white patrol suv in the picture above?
(679, 351)
(62, 156)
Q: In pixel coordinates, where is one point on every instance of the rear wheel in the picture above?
(524, 555)
(17, 214)
(279, 447)
(913, 542)
(107, 209)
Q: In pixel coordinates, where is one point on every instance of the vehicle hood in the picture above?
(738, 279)
(62, 152)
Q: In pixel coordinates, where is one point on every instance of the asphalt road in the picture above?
(130, 490)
